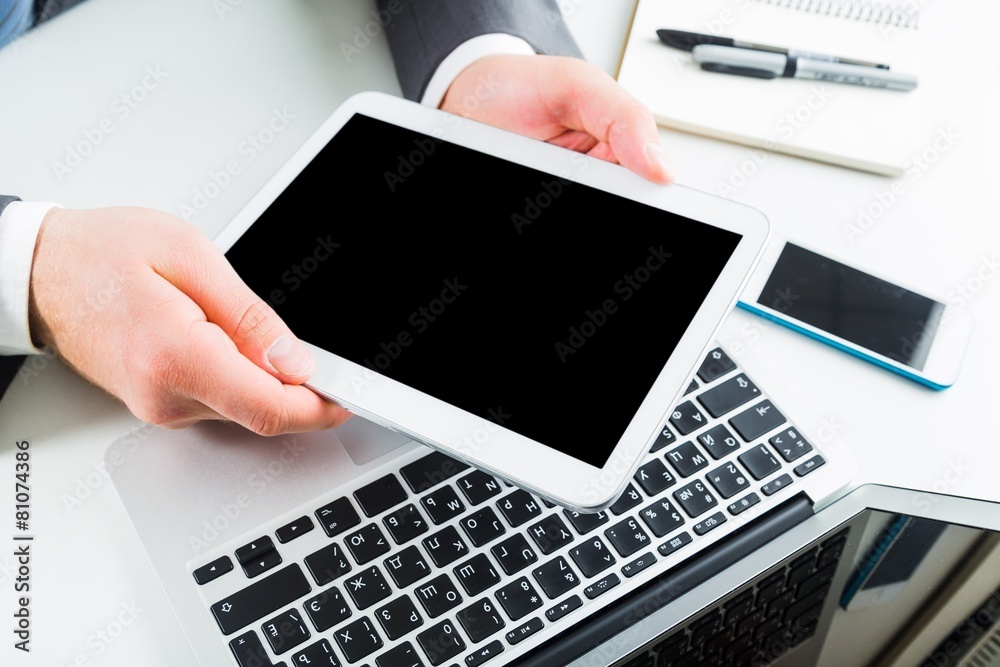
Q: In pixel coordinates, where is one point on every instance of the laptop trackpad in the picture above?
(365, 441)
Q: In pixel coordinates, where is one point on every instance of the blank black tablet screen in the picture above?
(520, 297)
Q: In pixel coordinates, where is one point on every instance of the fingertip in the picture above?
(661, 169)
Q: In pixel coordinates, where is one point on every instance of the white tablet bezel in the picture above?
(477, 441)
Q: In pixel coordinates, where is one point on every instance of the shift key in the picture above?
(260, 599)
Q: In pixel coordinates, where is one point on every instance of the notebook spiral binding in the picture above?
(898, 14)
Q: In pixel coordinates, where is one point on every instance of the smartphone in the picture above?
(894, 327)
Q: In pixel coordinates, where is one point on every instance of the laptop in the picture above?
(360, 546)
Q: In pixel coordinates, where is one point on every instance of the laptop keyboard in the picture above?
(436, 563)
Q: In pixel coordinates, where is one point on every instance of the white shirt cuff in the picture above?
(19, 225)
(467, 53)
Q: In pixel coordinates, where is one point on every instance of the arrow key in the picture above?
(264, 563)
(213, 570)
(290, 531)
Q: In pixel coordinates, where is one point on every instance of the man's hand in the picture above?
(564, 101)
(143, 305)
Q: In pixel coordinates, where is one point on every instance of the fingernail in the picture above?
(656, 153)
(289, 356)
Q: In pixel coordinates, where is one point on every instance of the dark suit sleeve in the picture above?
(8, 365)
(422, 33)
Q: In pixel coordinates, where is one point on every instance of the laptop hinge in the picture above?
(605, 624)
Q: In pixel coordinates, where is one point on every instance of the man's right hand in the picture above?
(143, 305)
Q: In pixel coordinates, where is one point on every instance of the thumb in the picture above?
(258, 332)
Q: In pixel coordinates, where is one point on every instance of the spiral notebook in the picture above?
(863, 128)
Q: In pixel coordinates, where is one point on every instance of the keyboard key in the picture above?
(213, 570)
(522, 632)
(327, 609)
(592, 557)
(358, 640)
(776, 484)
(718, 441)
(600, 587)
(399, 617)
(407, 567)
(760, 462)
(743, 504)
(249, 553)
(790, 445)
(629, 499)
(627, 537)
(290, 531)
(438, 595)
(327, 564)
(380, 495)
(319, 654)
(265, 562)
(653, 477)
(728, 480)
(367, 544)
(555, 577)
(728, 395)
(695, 498)
(367, 587)
(480, 620)
(665, 439)
(404, 655)
(550, 534)
(405, 524)
(674, 543)
(514, 554)
(709, 523)
(686, 418)
(430, 471)
(476, 575)
(441, 642)
(518, 598)
(259, 599)
(478, 487)
(563, 608)
(804, 469)
(481, 655)
(661, 517)
(716, 364)
(285, 631)
(445, 546)
(639, 564)
(584, 523)
(443, 505)
(338, 516)
(756, 421)
(482, 526)
(686, 459)
(249, 651)
(519, 507)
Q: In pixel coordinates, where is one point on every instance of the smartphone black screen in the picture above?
(853, 305)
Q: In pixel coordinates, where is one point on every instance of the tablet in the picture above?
(529, 310)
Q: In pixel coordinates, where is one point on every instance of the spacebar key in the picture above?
(260, 599)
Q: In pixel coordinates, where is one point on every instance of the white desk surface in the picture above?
(224, 68)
